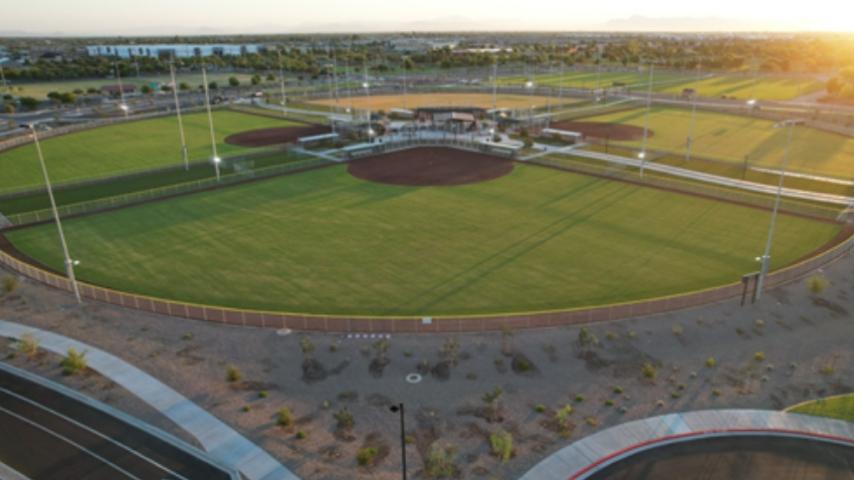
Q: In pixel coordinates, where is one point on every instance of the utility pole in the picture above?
(184, 154)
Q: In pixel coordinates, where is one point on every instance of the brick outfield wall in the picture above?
(250, 318)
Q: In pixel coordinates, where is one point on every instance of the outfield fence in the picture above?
(343, 323)
(144, 196)
(689, 187)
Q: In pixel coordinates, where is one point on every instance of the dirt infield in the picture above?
(430, 166)
(274, 136)
(610, 131)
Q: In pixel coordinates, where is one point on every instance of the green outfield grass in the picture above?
(841, 407)
(738, 86)
(731, 138)
(746, 87)
(122, 148)
(325, 242)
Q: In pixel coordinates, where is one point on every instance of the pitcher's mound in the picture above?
(603, 130)
(273, 136)
(430, 166)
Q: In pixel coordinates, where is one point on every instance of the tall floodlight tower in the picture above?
(689, 143)
(215, 157)
(405, 67)
(184, 154)
(765, 259)
(282, 84)
(124, 106)
(642, 154)
(69, 263)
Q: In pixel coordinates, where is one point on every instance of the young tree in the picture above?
(233, 82)
(256, 79)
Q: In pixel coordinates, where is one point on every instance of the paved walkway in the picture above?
(218, 439)
(594, 452)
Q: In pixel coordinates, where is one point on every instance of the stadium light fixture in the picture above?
(217, 160)
(529, 84)
(366, 85)
(69, 264)
(124, 107)
(642, 155)
(751, 103)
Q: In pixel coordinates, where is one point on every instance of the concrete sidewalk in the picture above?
(218, 439)
(617, 442)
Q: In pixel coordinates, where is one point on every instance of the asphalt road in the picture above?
(48, 435)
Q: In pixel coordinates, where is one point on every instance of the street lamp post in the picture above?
(3, 78)
(399, 409)
(765, 259)
(215, 159)
(69, 263)
(184, 154)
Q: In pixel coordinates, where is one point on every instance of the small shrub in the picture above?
(759, 356)
(564, 423)
(586, 338)
(232, 374)
(440, 462)
(28, 345)
(609, 402)
(246, 408)
(367, 456)
(407, 354)
(817, 284)
(344, 418)
(539, 408)
(649, 371)
(618, 389)
(579, 398)
(623, 409)
(826, 370)
(659, 403)
(73, 362)
(716, 392)
(610, 335)
(711, 362)
(10, 284)
(502, 445)
(759, 323)
(307, 347)
(284, 417)
(678, 330)
(592, 421)
(675, 395)
(263, 394)
(409, 439)
(301, 435)
(187, 336)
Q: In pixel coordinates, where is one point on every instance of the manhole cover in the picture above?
(413, 378)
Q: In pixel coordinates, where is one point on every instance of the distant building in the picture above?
(176, 50)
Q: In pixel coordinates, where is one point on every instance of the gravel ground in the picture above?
(792, 346)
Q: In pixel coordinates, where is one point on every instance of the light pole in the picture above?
(690, 142)
(405, 102)
(215, 159)
(123, 105)
(642, 154)
(178, 112)
(765, 259)
(3, 78)
(495, 91)
(282, 83)
(399, 409)
(69, 263)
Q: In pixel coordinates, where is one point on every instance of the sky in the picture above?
(170, 17)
